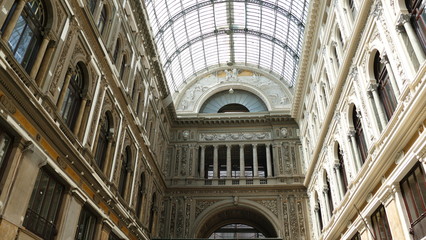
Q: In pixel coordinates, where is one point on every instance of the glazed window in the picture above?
(329, 196)
(5, 148)
(417, 9)
(123, 67)
(116, 51)
(124, 171)
(141, 192)
(86, 225)
(112, 236)
(413, 188)
(44, 205)
(26, 36)
(380, 224)
(102, 20)
(342, 169)
(73, 97)
(92, 5)
(103, 141)
(359, 135)
(357, 236)
(384, 87)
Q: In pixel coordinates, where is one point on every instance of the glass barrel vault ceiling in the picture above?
(193, 36)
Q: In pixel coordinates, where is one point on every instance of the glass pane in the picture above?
(276, 26)
(4, 145)
(21, 24)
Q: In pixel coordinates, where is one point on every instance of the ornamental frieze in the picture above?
(207, 137)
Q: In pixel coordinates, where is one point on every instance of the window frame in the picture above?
(91, 233)
(414, 204)
(35, 205)
(102, 21)
(35, 25)
(342, 169)
(417, 10)
(384, 87)
(380, 224)
(102, 142)
(359, 135)
(73, 97)
(124, 171)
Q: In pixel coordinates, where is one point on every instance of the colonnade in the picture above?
(242, 160)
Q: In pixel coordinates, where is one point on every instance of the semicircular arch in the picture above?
(229, 212)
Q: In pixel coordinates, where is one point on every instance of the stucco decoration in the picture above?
(275, 95)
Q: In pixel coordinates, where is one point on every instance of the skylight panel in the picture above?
(193, 35)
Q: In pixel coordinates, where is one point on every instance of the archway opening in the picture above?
(233, 108)
(237, 231)
(236, 222)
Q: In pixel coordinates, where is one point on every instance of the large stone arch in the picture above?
(236, 211)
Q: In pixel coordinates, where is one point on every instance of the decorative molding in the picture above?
(236, 136)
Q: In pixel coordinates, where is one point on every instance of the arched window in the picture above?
(152, 213)
(352, 8)
(417, 9)
(336, 56)
(141, 192)
(341, 169)
(102, 19)
(73, 96)
(384, 87)
(116, 51)
(318, 214)
(25, 35)
(92, 5)
(123, 66)
(328, 194)
(324, 94)
(359, 135)
(340, 37)
(380, 224)
(103, 141)
(124, 171)
(6, 141)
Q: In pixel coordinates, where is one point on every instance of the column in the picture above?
(215, 161)
(394, 218)
(326, 202)
(202, 161)
(104, 164)
(228, 160)
(84, 124)
(41, 76)
(404, 20)
(318, 219)
(242, 163)
(355, 152)
(370, 105)
(378, 104)
(335, 66)
(72, 212)
(339, 180)
(385, 60)
(13, 20)
(39, 58)
(80, 116)
(255, 161)
(268, 160)
(64, 89)
(30, 162)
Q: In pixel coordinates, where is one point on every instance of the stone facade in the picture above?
(89, 113)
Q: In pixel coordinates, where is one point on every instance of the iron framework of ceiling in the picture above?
(193, 36)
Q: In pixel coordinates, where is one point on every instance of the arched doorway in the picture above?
(235, 223)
